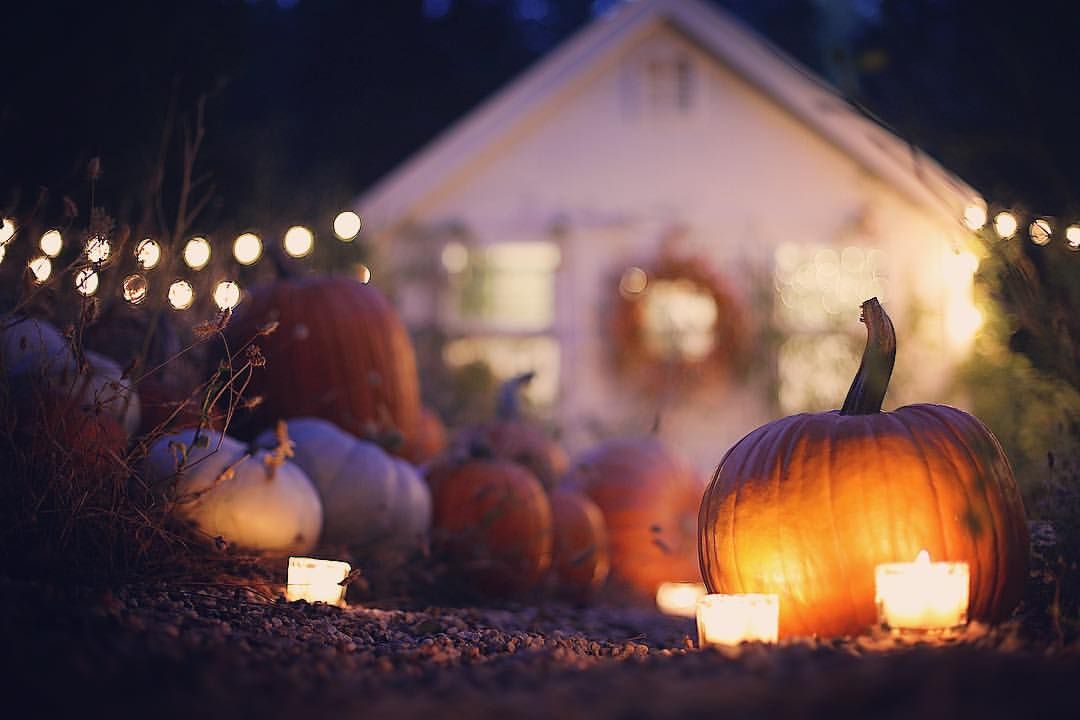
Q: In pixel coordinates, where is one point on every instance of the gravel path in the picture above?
(210, 651)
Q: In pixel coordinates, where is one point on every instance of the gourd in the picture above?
(339, 352)
(808, 505)
(372, 501)
(257, 500)
(492, 524)
(649, 498)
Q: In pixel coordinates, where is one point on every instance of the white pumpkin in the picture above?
(35, 348)
(240, 496)
(371, 500)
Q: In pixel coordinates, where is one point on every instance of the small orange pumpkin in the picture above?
(649, 498)
(805, 507)
(492, 521)
(511, 436)
(428, 439)
(580, 562)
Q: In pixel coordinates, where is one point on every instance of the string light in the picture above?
(86, 281)
(299, 241)
(247, 248)
(1039, 231)
(197, 253)
(975, 215)
(135, 289)
(181, 295)
(227, 294)
(98, 249)
(347, 225)
(7, 230)
(147, 254)
(1072, 237)
(1005, 224)
(51, 243)
(41, 267)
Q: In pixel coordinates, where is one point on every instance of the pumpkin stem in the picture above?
(868, 388)
(508, 405)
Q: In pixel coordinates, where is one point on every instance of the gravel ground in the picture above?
(174, 650)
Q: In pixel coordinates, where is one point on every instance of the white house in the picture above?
(667, 126)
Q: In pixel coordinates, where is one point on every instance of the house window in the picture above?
(506, 286)
(818, 289)
(501, 307)
(669, 84)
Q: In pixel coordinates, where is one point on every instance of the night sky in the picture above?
(310, 101)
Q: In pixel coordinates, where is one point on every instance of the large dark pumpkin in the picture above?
(807, 506)
(339, 353)
(649, 498)
(492, 521)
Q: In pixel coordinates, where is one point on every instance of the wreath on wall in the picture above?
(676, 322)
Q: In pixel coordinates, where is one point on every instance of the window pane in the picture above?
(509, 286)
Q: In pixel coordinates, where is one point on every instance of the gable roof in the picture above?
(902, 165)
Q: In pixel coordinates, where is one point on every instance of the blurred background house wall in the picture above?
(670, 130)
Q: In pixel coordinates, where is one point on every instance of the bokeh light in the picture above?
(347, 225)
(299, 241)
(7, 230)
(197, 253)
(1072, 237)
(147, 254)
(247, 248)
(41, 268)
(98, 249)
(227, 294)
(975, 215)
(51, 243)
(135, 289)
(455, 257)
(181, 295)
(1039, 231)
(1005, 224)
(86, 281)
(363, 273)
(633, 282)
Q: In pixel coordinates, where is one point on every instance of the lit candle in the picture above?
(732, 619)
(316, 580)
(922, 595)
(679, 598)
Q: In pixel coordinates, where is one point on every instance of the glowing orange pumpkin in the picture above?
(807, 506)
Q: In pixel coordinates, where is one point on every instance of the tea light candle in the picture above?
(679, 598)
(732, 619)
(316, 580)
(922, 595)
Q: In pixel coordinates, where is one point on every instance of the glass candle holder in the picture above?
(922, 595)
(316, 580)
(733, 619)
